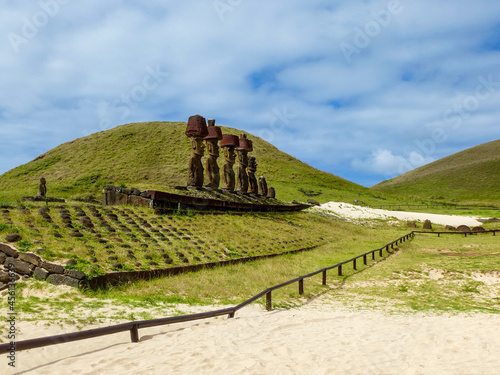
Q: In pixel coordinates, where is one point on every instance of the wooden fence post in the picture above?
(269, 301)
(354, 264)
(324, 277)
(365, 262)
(134, 333)
(301, 286)
(373, 255)
(340, 269)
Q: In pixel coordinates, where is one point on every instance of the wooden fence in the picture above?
(133, 327)
(437, 205)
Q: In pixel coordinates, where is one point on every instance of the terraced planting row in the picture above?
(97, 239)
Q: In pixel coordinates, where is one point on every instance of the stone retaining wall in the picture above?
(114, 195)
(29, 264)
(119, 277)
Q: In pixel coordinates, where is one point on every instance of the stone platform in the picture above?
(181, 198)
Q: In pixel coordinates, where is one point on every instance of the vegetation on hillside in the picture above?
(470, 176)
(101, 239)
(155, 155)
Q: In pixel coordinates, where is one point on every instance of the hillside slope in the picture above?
(153, 155)
(472, 175)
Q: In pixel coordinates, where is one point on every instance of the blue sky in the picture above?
(362, 89)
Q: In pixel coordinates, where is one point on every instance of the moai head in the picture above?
(197, 146)
(243, 157)
(252, 163)
(42, 181)
(244, 147)
(212, 147)
(212, 139)
(229, 142)
(196, 130)
(229, 154)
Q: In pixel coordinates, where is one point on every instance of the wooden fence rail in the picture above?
(133, 327)
(437, 205)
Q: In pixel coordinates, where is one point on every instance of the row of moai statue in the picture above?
(244, 181)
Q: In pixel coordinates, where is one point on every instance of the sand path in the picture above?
(351, 211)
(320, 338)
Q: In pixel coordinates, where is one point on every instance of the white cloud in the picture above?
(370, 114)
(384, 162)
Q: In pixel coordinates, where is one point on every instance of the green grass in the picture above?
(470, 176)
(236, 283)
(446, 274)
(40, 301)
(155, 155)
(135, 237)
(432, 274)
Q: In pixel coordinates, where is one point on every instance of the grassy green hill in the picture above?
(470, 176)
(153, 155)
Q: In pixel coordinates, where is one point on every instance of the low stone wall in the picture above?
(114, 195)
(29, 264)
(120, 277)
(44, 199)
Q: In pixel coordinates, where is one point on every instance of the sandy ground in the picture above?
(319, 338)
(322, 337)
(354, 212)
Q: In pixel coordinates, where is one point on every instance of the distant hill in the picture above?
(472, 175)
(153, 155)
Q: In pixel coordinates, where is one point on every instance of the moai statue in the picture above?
(42, 188)
(244, 147)
(271, 193)
(212, 174)
(196, 130)
(253, 187)
(229, 142)
(262, 186)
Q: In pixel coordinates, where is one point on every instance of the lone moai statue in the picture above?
(253, 187)
(212, 173)
(262, 186)
(196, 130)
(229, 142)
(244, 147)
(42, 188)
